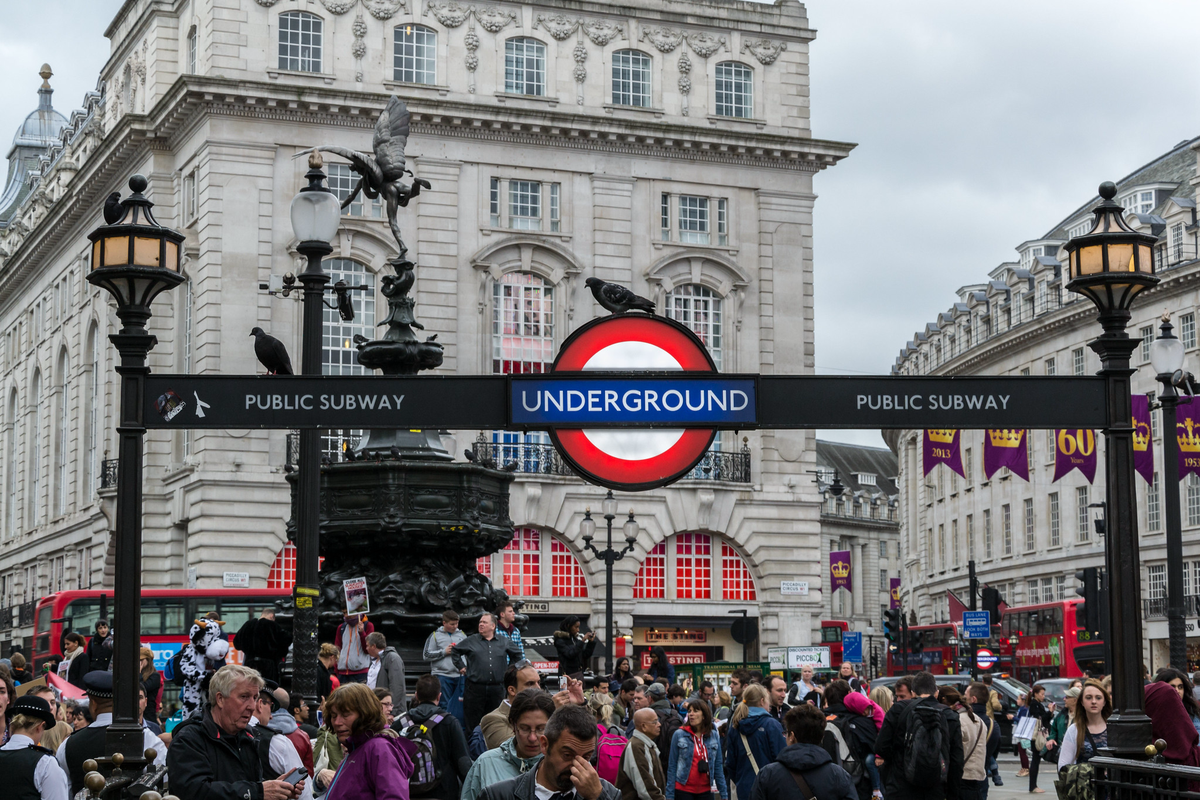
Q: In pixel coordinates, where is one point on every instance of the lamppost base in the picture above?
(1128, 735)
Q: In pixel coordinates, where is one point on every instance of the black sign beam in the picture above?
(486, 402)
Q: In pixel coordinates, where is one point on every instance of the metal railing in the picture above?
(1123, 779)
(1167, 255)
(6, 615)
(531, 458)
(1156, 608)
(108, 473)
(25, 613)
(717, 465)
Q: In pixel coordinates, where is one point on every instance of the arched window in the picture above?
(34, 432)
(734, 90)
(300, 37)
(698, 308)
(414, 54)
(522, 343)
(61, 456)
(91, 420)
(700, 572)
(631, 78)
(525, 66)
(10, 468)
(536, 564)
(339, 354)
(283, 569)
(192, 50)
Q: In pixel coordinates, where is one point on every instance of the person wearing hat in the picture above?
(30, 771)
(276, 752)
(1059, 724)
(88, 743)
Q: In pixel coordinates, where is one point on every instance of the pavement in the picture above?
(1019, 787)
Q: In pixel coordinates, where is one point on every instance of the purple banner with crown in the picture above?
(1143, 440)
(894, 592)
(839, 570)
(1187, 427)
(941, 447)
(1075, 449)
(1006, 447)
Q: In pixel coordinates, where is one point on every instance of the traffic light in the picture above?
(1087, 613)
(991, 603)
(891, 624)
(916, 642)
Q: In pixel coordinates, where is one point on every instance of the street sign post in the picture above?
(852, 647)
(977, 624)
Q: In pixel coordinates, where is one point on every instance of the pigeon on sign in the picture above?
(271, 353)
(617, 298)
(114, 209)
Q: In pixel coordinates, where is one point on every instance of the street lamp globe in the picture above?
(135, 259)
(631, 528)
(316, 212)
(1112, 263)
(587, 526)
(608, 505)
(1166, 352)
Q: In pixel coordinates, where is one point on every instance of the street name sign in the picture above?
(977, 624)
(793, 588)
(852, 649)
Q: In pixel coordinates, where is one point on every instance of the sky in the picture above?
(979, 126)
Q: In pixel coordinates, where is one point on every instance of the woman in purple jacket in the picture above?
(378, 761)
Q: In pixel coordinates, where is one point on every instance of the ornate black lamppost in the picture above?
(316, 215)
(1166, 357)
(587, 528)
(135, 259)
(1111, 264)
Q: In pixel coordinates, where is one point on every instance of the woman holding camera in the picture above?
(694, 768)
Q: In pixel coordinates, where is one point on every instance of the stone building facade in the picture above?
(1029, 538)
(665, 146)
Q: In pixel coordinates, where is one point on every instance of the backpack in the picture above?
(173, 670)
(670, 723)
(608, 753)
(477, 745)
(425, 777)
(1075, 782)
(926, 746)
(844, 744)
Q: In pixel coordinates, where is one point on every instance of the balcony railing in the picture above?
(1167, 256)
(6, 618)
(108, 473)
(25, 613)
(532, 458)
(722, 466)
(1156, 608)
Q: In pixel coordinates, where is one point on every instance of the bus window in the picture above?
(41, 643)
(831, 634)
(164, 617)
(81, 616)
(235, 613)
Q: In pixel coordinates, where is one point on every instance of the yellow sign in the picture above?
(304, 602)
(304, 590)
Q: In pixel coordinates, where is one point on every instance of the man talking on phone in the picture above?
(214, 756)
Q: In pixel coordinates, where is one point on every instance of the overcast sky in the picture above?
(978, 126)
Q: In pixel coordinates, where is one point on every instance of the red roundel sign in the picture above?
(642, 458)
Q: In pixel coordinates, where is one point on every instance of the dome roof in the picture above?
(42, 126)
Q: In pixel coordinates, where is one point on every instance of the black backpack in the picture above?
(671, 722)
(926, 746)
(842, 738)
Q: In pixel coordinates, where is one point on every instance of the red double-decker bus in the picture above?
(166, 616)
(1050, 644)
(831, 637)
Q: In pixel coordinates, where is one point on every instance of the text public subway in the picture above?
(324, 402)
(933, 402)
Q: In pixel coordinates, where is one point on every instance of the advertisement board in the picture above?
(815, 657)
(777, 657)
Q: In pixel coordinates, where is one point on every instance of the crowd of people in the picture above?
(481, 726)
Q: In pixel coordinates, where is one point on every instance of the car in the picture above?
(1056, 689)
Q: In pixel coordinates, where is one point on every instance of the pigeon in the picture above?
(510, 466)
(617, 298)
(114, 209)
(271, 353)
(470, 455)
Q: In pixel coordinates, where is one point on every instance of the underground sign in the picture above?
(985, 658)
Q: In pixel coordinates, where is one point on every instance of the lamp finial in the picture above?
(1108, 190)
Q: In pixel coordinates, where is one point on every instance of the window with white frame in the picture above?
(1187, 330)
(987, 533)
(525, 205)
(1080, 228)
(1006, 511)
(1055, 521)
(1077, 360)
(531, 206)
(92, 420)
(1147, 336)
(693, 219)
(62, 449)
(341, 182)
(1153, 508)
(34, 432)
(1060, 587)
(300, 35)
(1156, 583)
(10, 468)
(192, 51)
(1083, 526)
(525, 66)
(1193, 499)
(1177, 242)
(414, 54)
(699, 309)
(1030, 530)
(1150, 397)
(1035, 596)
(1051, 368)
(1139, 202)
(734, 90)
(954, 551)
(339, 353)
(191, 205)
(631, 78)
(883, 549)
(522, 324)
(968, 466)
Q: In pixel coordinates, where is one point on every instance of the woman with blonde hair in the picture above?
(755, 738)
(151, 682)
(378, 761)
(1089, 733)
(882, 697)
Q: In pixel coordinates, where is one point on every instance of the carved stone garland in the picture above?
(685, 81)
(764, 50)
(471, 42)
(580, 71)
(379, 9)
(359, 48)
(664, 39)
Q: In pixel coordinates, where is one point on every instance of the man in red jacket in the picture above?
(353, 661)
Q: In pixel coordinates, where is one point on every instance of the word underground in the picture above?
(936, 402)
(632, 400)
(324, 402)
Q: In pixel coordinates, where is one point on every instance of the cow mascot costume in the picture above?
(201, 657)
